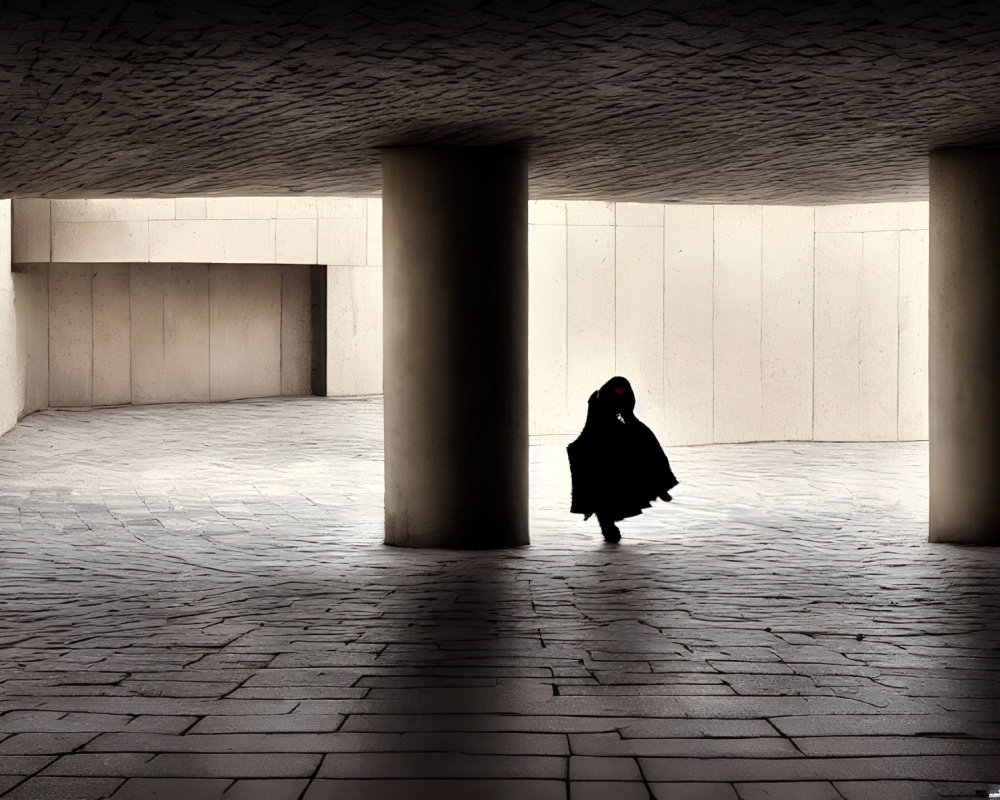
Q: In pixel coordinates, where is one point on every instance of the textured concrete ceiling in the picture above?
(733, 100)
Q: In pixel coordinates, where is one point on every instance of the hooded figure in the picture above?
(616, 464)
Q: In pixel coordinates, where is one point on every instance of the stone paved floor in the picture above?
(196, 604)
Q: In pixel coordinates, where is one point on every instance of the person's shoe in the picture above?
(612, 534)
(665, 497)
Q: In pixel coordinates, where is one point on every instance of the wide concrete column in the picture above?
(965, 346)
(455, 369)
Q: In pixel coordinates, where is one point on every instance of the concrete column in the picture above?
(455, 375)
(964, 365)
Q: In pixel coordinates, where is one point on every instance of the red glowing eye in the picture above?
(619, 390)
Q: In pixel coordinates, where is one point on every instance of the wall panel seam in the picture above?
(48, 327)
(566, 333)
(131, 390)
(281, 330)
(93, 274)
(663, 318)
(812, 432)
(713, 324)
(758, 434)
(898, 319)
(614, 286)
(868, 431)
(211, 394)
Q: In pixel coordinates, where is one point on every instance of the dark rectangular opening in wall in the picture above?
(317, 294)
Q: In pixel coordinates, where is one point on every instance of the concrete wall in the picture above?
(31, 293)
(31, 250)
(735, 323)
(11, 379)
(344, 234)
(155, 333)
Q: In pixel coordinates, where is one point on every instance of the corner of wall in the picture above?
(11, 382)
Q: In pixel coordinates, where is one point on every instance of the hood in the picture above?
(617, 396)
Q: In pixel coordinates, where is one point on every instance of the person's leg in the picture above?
(608, 528)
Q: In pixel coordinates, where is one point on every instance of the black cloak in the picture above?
(616, 464)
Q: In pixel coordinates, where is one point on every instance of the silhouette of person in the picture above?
(617, 466)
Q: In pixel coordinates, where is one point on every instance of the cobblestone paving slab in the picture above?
(196, 603)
